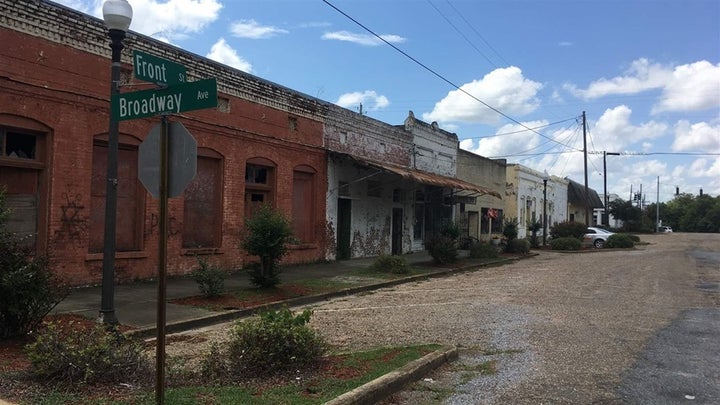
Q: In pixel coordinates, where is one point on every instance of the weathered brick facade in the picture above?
(54, 92)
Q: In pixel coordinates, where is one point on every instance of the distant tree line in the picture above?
(684, 213)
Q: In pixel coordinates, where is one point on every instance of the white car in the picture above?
(666, 229)
(596, 237)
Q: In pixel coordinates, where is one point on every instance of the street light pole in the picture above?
(606, 214)
(545, 180)
(117, 15)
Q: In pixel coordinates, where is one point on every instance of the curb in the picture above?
(209, 320)
(392, 382)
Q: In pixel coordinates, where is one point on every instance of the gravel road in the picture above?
(559, 328)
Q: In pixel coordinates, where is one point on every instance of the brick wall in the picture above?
(54, 70)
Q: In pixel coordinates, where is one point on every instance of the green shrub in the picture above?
(566, 243)
(520, 246)
(620, 240)
(442, 249)
(209, 277)
(510, 229)
(634, 238)
(71, 353)
(274, 342)
(534, 227)
(451, 230)
(28, 289)
(482, 250)
(568, 229)
(391, 264)
(266, 234)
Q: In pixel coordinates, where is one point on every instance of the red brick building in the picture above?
(263, 143)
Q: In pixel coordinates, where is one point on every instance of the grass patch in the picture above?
(338, 374)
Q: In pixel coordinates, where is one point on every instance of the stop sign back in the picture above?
(182, 159)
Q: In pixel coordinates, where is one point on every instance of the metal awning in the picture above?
(426, 178)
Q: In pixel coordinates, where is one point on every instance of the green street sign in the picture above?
(157, 70)
(176, 99)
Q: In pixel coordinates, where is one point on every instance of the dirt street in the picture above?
(559, 328)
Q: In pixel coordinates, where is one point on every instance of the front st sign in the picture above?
(172, 100)
(157, 70)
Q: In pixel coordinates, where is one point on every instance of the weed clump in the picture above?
(481, 250)
(269, 344)
(209, 277)
(28, 288)
(391, 264)
(69, 353)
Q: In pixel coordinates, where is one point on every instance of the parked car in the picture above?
(665, 229)
(596, 237)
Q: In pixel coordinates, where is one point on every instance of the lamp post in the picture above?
(606, 215)
(545, 180)
(117, 15)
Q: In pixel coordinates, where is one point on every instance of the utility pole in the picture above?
(657, 207)
(587, 193)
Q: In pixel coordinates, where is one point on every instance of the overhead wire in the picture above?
(461, 34)
(433, 72)
(520, 131)
(476, 32)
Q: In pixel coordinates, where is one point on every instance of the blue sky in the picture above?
(509, 77)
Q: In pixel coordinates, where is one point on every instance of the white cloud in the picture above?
(614, 131)
(692, 87)
(224, 53)
(173, 19)
(699, 137)
(369, 98)
(166, 21)
(641, 76)
(513, 139)
(688, 87)
(362, 39)
(504, 89)
(253, 30)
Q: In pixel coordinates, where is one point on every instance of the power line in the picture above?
(477, 33)
(433, 72)
(461, 34)
(595, 152)
(521, 131)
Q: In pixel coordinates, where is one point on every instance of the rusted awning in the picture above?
(427, 178)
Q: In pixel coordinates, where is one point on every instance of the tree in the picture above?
(628, 213)
(267, 234)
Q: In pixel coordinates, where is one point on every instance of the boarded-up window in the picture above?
(21, 186)
(22, 164)
(202, 220)
(259, 184)
(130, 198)
(303, 203)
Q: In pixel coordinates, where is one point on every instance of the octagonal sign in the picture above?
(182, 159)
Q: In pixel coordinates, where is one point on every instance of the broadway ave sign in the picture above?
(175, 99)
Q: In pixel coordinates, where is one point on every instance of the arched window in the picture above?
(203, 207)
(23, 164)
(259, 183)
(130, 196)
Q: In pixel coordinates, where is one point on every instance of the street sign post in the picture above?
(150, 68)
(174, 99)
(167, 158)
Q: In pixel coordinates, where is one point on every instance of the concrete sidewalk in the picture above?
(136, 303)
